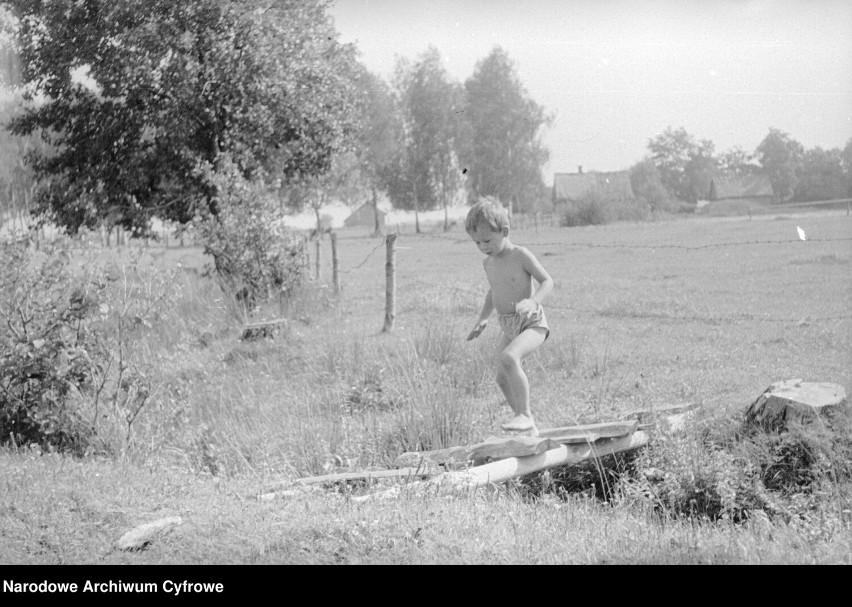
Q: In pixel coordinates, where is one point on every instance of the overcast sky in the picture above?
(616, 73)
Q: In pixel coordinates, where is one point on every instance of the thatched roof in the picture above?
(724, 187)
(573, 186)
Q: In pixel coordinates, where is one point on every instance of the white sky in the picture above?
(615, 73)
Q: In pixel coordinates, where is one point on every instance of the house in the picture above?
(753, 189)
(364, 216)
(573, 187)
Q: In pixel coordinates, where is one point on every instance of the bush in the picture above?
(47, 350)
(595, 209)
(255, 257)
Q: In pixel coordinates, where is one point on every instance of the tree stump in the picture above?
(796, 402)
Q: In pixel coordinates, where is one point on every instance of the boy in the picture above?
(510, 270)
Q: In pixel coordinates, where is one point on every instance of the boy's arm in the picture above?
(487, 309)
(542, 277)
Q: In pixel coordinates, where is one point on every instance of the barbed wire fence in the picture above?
(566, 309)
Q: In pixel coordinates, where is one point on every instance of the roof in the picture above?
(364, 213)
(573, 186)
(740, 186)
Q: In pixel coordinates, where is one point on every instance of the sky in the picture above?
(616, 73)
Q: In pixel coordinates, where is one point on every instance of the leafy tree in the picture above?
(506, 153)
(699, 171)
(820, 175)
(342, 180)
(433, 124)
(846, 162)
(167, 90)
(737, 161)
(647, 185)
(683, 163)
(780, 156)
(379, 139)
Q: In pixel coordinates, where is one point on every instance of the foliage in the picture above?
(139, 93)
(70, 378)
(255, 257)
(17, 181)
(47, 349)
(506, 154)
(820, 176)
(683, 163)
(647, 185)
(737, 161)
(595, 208)
(780, 156)
(434, 132)
(379, 139)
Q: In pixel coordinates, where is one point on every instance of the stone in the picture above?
(140, 537)
(796, 402)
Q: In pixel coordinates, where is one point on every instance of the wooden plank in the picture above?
(419, 472)
(647, 415)
(501, 447)
(513, 467)
(439, 456)
(581, 434)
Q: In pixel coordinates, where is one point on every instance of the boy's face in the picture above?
(489, 242)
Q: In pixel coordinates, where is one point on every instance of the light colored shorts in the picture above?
(515, 324)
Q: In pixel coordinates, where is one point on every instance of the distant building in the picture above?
(572, 187)
(753, 189)
(364, 216)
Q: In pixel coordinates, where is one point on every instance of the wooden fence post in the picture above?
(319, 256)
(306, 256)
(335, 276)
(390, 283)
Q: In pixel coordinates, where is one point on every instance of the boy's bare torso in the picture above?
(509, 280)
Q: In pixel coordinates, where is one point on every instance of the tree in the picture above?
(820, 176)
(647, 185)
(379, 139)
(780, 156)
(846, 162)
(506, 154)
(433, 126)
(167, 92)
(342, 180)
(737, 161)
(683, 163)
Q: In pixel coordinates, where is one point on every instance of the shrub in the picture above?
(47, 349)
(255, 257)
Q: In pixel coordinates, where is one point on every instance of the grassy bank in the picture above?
(643, 315)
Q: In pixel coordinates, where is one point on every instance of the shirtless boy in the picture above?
(510, 270)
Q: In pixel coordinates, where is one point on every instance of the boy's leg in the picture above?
(502, 378)
(516, 379)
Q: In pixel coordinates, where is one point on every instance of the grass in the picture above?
(640, 318)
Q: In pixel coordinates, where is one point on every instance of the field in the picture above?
(706, 310)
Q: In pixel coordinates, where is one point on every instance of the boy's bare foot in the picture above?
(519, 423)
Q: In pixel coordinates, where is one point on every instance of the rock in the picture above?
(796, 401)
(139, 537)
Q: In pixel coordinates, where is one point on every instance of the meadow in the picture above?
(704, 310)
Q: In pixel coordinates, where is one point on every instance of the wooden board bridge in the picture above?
(498, 459)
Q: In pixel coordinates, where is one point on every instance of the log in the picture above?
(513, 467)
(797, 402)
(495, 447)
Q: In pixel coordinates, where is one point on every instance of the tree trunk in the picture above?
(377, 228)
(416, 211)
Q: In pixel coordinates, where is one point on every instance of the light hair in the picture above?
(487, 210)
